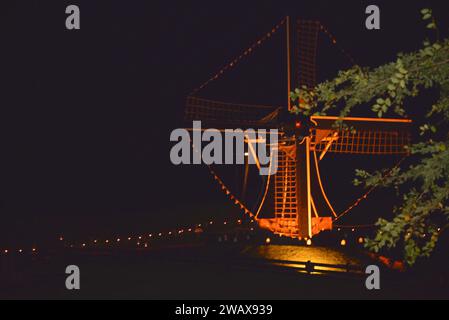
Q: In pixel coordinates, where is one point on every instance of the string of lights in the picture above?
(334, 42)
(226, 190)
(145, 240)
(32, 250)
(243, 55)
(370, 190)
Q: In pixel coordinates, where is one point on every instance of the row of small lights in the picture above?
(268, 241)
(19, 251)
(343, 242)
(251, 49)
(245, 53)
(334, 42)
(228, 192)
(370, 190)
(159, 235)
(140, 243)
(181, 231)
(309, 242)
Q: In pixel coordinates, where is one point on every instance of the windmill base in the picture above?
(289, 227)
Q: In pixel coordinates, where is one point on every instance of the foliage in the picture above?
(392, 89)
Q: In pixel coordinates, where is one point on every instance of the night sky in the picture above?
(87, 114)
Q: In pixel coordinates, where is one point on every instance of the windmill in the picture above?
(303, 142)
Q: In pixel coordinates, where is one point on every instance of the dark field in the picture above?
(194, 272)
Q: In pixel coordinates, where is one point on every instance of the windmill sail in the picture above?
(220, 114)
(361, 136)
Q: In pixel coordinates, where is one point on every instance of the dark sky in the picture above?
(86, 115)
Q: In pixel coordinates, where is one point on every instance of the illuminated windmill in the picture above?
(303, 143)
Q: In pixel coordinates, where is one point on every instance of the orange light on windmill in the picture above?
(267, 240)
(360, 240)
(343, 242)
(298, 124)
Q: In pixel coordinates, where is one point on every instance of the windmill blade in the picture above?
(307, 32)
(218, 114)
(361, 136)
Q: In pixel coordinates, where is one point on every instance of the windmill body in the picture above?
(303, 141)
